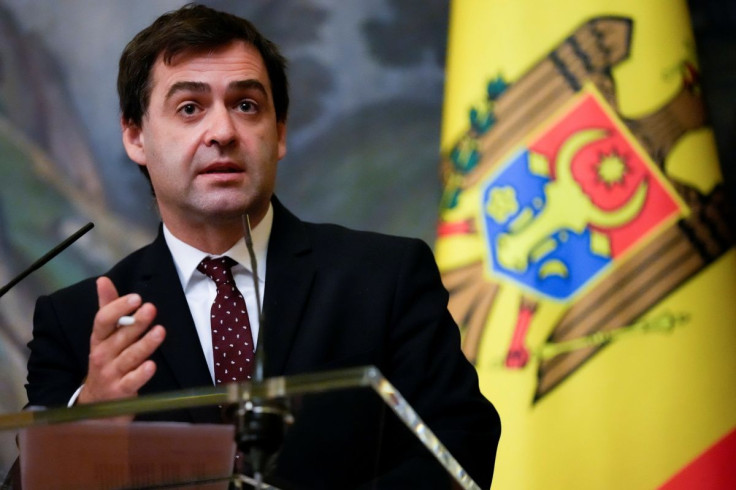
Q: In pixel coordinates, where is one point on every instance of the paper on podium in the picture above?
(101, 454)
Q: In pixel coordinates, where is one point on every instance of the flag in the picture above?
(586, 241)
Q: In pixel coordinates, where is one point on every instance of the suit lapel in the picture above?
(290, 273)
(181, 350)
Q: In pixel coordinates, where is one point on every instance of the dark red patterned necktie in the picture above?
(232, 339)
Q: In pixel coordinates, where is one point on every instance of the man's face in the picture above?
(210, 139)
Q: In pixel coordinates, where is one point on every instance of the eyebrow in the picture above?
(187, 87)
(200, 87)
(248, 84)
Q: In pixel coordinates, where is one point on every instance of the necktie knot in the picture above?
(217, 269)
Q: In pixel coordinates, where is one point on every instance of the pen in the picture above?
(125, 320)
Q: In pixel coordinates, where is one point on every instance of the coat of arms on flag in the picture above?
(555, 193)
(559, 212)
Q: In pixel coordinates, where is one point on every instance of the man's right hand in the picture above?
(118, 356)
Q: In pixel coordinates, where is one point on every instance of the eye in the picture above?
(247, 106)
(188, 109)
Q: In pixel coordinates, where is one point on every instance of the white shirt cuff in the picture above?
(74, 397)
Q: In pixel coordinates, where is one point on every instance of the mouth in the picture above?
(221, 168)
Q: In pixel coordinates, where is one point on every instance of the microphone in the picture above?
(260, 354)
(261, 423)
(48, 256)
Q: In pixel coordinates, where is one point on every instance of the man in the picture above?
(204, 106)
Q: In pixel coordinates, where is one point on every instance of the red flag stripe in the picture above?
(715, 469)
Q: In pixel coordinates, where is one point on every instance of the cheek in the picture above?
(269, 163)
(172, 157)
(164, 167)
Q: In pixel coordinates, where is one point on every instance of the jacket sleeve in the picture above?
(59, 348)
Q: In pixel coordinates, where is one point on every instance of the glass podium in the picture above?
(347, 428)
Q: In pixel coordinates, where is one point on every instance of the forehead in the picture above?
(218, 66)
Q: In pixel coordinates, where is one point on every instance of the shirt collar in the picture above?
(187, 258)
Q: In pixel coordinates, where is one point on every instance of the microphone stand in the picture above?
(46, 257)
(261, 423)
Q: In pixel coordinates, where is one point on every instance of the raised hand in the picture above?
(118, 357)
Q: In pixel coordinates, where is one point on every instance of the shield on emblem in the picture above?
(579, 195)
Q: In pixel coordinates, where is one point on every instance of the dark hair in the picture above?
(191, 27)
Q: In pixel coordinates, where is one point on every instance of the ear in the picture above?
(133, 141)
(281, 132)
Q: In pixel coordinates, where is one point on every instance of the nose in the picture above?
(220, 128)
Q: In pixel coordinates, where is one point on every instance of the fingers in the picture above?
(123, 336)
(122, 375)
(111, 309)
(134, 380)
(135, 355)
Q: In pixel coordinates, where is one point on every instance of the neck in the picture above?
(213, 237)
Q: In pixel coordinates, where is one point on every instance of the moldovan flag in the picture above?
(587, 243)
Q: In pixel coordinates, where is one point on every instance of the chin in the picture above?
(227, 214)
(227, 206)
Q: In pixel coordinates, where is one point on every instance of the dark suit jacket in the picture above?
(334, 298)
